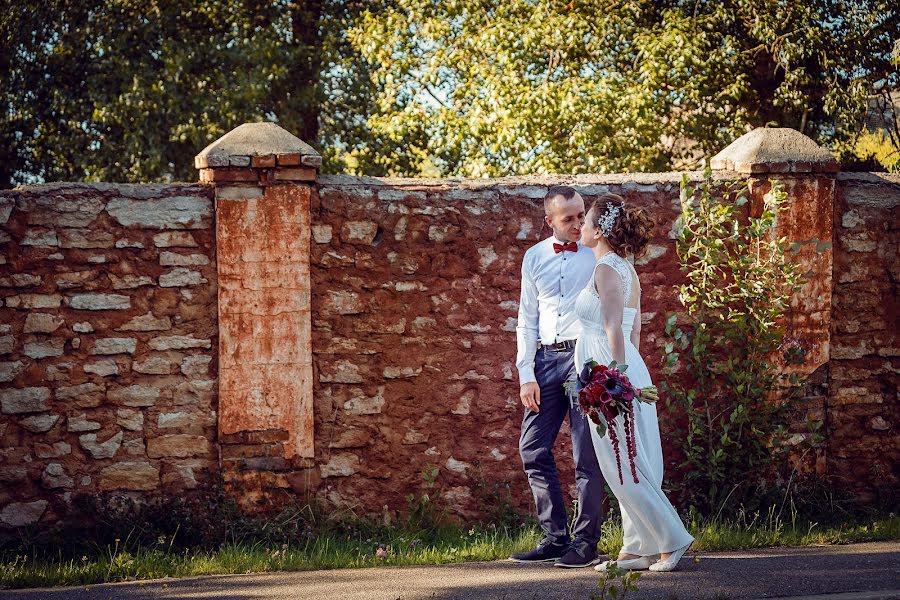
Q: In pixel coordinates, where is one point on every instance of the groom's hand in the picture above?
(530, 394)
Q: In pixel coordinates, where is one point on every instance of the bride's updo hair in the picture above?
(632, 228)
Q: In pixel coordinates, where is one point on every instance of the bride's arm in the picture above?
(609, 288)
(636, 327)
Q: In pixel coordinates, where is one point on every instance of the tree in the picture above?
(130, 91)
(579, 86)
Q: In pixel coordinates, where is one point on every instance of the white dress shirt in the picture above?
(550, 284)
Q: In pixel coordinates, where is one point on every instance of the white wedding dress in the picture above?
(650, 522)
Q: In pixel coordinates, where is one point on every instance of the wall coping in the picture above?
(259, 145)
(134, 190)
(775, 150)
(624, 179)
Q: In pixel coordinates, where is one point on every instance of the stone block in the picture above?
(103, 368)
(352, 438)
(359, 232)
(13, 474)
(54, 476)
(80, 424)
(7, 343)
(178, 420)
(153, 365)
(361, 404)
(10, 370)
(130, 475)
(20, 280)
(296, 174)
(264, 463)
(174, 239)
(457, 466)
(134, 395)
(179, 212)
(34, 301)
(77, 279)
(179, 342)
(342, 303)
(322, 234)
(114, 346)
(46, 349)
(61, 211)
(99, 302)
(239, 192)
(340, 465)
(52, 451)
(181, 277)
(21, 514)
(25, 400)
(100, 450)
(147, 322)
(173, 259)
(132, 420)
(304, 482)
(129, 281)
(85, 395)
(85, 238)
(42, 323)
(40, 237)
(39, 423)
(197, 393)
(195, 366)
(341, 371)
(134, 447)
(401, 372)
(177, 445)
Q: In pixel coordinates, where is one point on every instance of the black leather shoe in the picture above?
(579, 555)
(543, 553)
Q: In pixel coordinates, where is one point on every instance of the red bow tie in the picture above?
(570, 246)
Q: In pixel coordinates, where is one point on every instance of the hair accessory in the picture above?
(606, 222)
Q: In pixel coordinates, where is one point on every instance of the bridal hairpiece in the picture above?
(606, 222)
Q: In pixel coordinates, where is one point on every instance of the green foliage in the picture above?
(590, 86)
(626, 580)
(721, 359)
(123, 91)
(423, 510)
(879, 150)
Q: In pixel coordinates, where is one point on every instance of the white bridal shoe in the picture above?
(671, 563)
(631, 564)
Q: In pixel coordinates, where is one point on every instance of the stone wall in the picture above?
(149, 348)
(415, 295)
(108, 343)
(863, 411)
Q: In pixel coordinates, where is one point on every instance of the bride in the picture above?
(610, 312)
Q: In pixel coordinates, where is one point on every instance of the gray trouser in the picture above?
(539, 431)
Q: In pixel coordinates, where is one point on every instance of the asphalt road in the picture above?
(853, 572)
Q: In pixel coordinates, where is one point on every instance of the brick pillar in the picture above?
(808, 174)
(263, 177)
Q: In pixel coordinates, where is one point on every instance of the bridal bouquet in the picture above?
(606, 391)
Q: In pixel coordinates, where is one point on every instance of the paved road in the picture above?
(772, 573)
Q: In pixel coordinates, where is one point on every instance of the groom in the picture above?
(554, 271)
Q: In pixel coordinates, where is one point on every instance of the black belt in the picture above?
(563, 346)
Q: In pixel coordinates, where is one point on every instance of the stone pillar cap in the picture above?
(774, 150)
(261, 145)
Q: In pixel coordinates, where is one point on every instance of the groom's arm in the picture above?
(527, 328)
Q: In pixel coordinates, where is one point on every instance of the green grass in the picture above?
(324, 552)
(331, 551)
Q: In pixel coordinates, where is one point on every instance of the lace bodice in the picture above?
(620, 266)
(588, 307)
